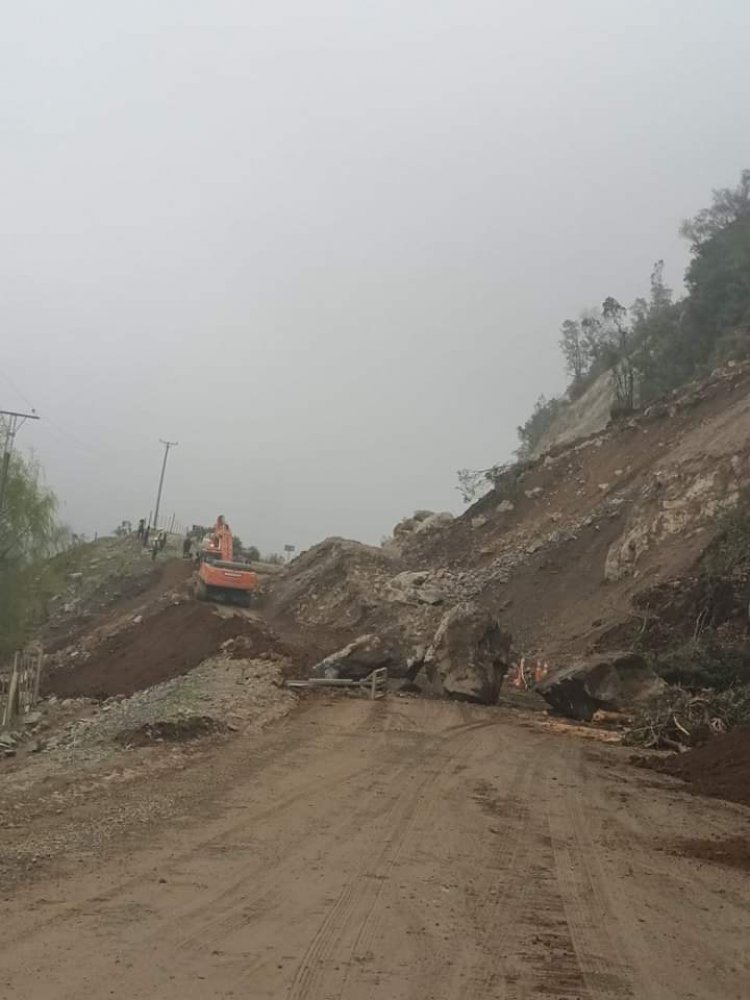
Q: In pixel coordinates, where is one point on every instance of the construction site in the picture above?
(449, 766)
(375, 500)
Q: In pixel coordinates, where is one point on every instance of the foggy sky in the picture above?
(328, 246)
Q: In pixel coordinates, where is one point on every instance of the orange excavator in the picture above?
(219, 577)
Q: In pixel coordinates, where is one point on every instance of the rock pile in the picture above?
(467, 657)
(609, 681)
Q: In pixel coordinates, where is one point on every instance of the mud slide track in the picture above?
(401, 849)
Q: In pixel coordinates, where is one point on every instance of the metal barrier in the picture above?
(378, 681)
(375, 683)
(19, 685)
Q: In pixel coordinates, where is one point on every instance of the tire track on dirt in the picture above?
(606, 972)
(272, 752)
(496, 910)
(425, 799)
(237, 911)
(358, 899)
(434, 853)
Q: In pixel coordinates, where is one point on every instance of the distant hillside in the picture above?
(620, 356)
(586, 415)
(637, 537)
(569, 548)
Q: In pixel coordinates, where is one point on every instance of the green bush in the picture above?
(703, 663)
(729, 553)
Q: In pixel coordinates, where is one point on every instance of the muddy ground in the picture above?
(401, 848)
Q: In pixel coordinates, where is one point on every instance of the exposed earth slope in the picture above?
(560, 547)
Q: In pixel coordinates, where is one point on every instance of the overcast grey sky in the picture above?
(327, 246)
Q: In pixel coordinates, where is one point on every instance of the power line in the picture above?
(59, 430)
(16, 388)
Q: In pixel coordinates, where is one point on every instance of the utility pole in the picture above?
(14, 422)
(167, 446)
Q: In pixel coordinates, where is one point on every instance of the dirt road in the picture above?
(398, 849)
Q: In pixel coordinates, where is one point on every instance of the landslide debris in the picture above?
(358, 659)
(561, 553)
(469, 655)
(226, 693)
(720, 768)
(340, 592)
(602, 682)
(95, 577)
(563, 545)
(388, 616)
(161, 646)
(679, 718)
(189, 727)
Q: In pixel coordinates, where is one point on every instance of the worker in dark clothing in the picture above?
(146, 533)
(187, 544)
(141, 528)
(162, 540)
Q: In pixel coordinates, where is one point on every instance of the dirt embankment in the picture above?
(164, 645)
(720, 768)
(559, 551)
(561, 547)
(95, 578)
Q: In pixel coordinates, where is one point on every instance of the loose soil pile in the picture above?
(165, 645)
(720, 768)
(734, 852)
(133, 589)
(169, 731)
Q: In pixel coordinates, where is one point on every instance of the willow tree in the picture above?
(29, 533)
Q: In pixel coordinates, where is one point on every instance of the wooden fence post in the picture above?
(11, 695)
(38, 678)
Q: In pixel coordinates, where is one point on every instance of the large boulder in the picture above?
(609, 681)
(358, 660)
(469, 655)
(421, 520)
(440, 520)
(415, 588)
(408, 525)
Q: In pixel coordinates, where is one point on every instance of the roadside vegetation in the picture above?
(694, 634)
(29, 535)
